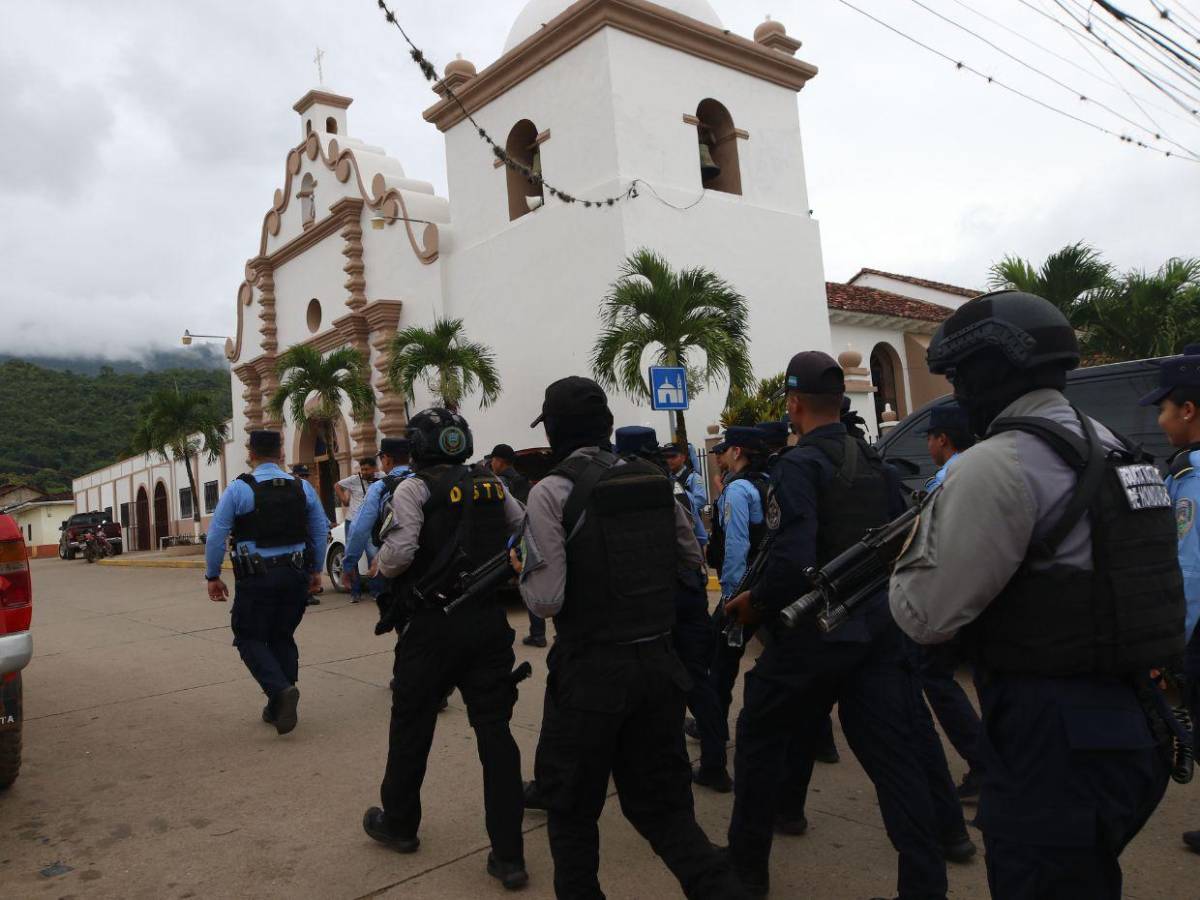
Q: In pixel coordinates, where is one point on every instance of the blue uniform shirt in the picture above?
(368, 514)
(238, 500)
(739, 507)
(940, 475)
(1185, 494)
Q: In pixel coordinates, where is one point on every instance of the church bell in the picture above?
(708, 166)
(536, 166)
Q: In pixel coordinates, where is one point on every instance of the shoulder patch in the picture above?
(772, 514)
(1185, 516)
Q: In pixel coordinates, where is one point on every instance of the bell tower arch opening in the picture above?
(524, 194)
(718, 137)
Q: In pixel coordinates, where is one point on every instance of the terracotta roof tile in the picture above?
(853, 298)
(922, 282)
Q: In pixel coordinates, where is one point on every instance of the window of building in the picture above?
(212, 494)
(524, 194)
(719, 170)
(124, 515)
(108, 513)
(308, 202)
(313, 315)
(185, 503)
(331, 125)
(29, 534)
(308, 126)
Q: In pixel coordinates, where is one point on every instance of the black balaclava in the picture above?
(570, 433)
(986, 383)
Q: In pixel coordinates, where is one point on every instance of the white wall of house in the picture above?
(908, 289)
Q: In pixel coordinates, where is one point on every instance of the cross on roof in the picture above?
(317, 59)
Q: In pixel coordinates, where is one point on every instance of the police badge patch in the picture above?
(773, 515)
(452, 441)
(1185, 516)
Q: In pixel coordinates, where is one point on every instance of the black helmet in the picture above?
(438, 435)
(1030, 332)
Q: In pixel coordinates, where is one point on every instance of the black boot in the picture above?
(376, 825)
(510, 874)
(285, 703)
(533, 797)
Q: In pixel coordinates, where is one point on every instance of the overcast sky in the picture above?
(144, 142)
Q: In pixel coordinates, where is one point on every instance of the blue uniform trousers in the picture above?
(267, 610)
(695, 638)
(950, 702)
(789, 693)
(1071, 774)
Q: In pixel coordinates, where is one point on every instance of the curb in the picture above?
(158, 563)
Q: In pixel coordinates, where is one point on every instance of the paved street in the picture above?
(148, 773)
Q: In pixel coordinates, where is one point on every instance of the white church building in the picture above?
(599, 95)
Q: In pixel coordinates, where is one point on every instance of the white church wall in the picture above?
(314, 275)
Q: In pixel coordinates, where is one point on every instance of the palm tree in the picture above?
(445, 361)
(1143, 315)
(678, 316)
(181, 425)
(313, 387)
(1068, 278)
(762, 404)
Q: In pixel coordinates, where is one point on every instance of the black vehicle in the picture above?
(1108, 394)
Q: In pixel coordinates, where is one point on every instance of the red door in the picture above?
(162, 513)
(141, 521)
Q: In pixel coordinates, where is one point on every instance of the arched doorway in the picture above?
(326, 464)
(887, 374)
(141, 520)
(162, 514)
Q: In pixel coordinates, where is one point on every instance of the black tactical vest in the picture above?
(715, 551)
(280, 514)
(464, 525)
(1124, 616)
(621, 551)
(854, 500)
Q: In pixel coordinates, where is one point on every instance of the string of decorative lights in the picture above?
(1167, 91)
(430, 72)
(964, 67)
(1097, 26)
(1084, 98)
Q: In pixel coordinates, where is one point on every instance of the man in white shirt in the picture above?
(350, 492)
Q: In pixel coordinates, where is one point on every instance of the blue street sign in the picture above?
(668, 388)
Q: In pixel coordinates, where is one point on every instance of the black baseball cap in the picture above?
(504, 452)
(948, 417)
(573, 397)
(673, 449)
(394, 447)
(266, 441)
(814, 372)
(300, 470)
(744, 436)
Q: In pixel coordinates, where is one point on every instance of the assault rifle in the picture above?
(469, 585)
(845, 582)
(734, 632)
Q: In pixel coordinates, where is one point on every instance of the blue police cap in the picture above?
(1179, 371)
(774, 433)
(264, 441)
(744, 436)
(948, 417)
(635, 439)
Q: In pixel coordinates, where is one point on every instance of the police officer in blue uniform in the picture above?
(394, 462)
(947, 437)
(1052, 548)
(825, 493)
(1178, 400)
(279, 532)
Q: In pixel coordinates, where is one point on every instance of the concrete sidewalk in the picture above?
(149, 775)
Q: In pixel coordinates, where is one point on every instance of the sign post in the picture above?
(668, 392)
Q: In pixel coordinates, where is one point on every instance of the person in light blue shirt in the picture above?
(739, 508)
(1178, 400)
(393, 460)
(947, 436)
(279, 532)
(693, 485)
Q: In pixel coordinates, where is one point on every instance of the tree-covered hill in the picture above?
(56, 425)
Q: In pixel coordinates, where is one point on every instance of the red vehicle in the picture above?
(96, 545)
(16, 645)
(71, 539)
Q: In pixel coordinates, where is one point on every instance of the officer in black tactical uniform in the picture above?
(825, 493)
(1051, 548)
(447, 520)
(602, 546)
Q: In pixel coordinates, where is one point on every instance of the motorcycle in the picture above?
(96, 546)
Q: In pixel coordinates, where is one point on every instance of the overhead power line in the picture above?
(1099, 26)
(1084, 98)
(1166, 15)
(1149, 32)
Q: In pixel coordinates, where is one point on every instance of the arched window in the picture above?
(313, 315)
(887, 374)
(331, 125)
(308, 126)
(524, 194)
(718, 139)
(308, 202)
